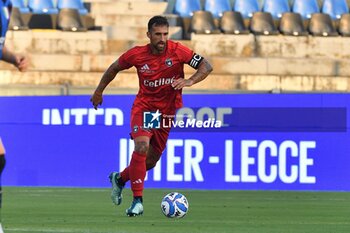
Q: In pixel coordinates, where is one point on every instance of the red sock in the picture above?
(125, 174)
(137, 173)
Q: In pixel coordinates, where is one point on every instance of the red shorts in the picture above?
(158, 137)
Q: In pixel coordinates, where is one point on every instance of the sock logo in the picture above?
(138, 181)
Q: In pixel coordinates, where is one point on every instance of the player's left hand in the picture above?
(181, 83)
(96, 99)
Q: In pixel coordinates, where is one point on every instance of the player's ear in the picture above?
(148, 35)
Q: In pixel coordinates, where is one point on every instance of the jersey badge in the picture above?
(169, 62)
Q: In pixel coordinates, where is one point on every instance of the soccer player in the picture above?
(160, 69)
(6, 55)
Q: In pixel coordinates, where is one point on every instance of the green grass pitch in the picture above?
(82, 210)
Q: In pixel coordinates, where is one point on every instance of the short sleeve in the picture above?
(127, 59)
(185, 54)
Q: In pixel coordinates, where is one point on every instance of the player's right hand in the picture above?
(96, 99)
(21, 62)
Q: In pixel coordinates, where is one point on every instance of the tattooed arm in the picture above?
(202, 72)
(107, 77)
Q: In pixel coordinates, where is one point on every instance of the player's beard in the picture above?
(160, 46)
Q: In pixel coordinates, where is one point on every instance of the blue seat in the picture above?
(16, 20)
(292, 24)
(185, 8)
(305, 8)
(42, 7)
(262, 24)
(232, 22)
(72, 4)
(217, 7)
(202, 22)
(335, 8)
(69, 19)
(246, 7)
(321, 25)
(276, 7)
(20, 5)
(344, 25)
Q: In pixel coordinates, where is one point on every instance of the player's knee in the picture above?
(141, 147)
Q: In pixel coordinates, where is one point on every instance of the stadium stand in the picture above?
(248, 62)
(246, 7)
(217, 7)
(262, 24)
(305, 7)
(42, 7)
(292, 24)
(321, 25)
(83, 20)
(16, 21)
(21, 5)
(232, 23)
(276, 7)
(69, 20)
(202, 22)
(335, 8)
(185, 8)
(43, 21)
(44, 14)
(72, 4)
(344, 25)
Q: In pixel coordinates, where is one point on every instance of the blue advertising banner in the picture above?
(228, 141)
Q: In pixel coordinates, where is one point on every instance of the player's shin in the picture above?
(137, 173)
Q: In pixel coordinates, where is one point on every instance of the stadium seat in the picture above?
(16, 21)
(202, 22)
(276, 7)
(232, 23)
(292, 25)
(217, 7)
(344, 25)
(42, 21)
(73, 4)
(42, 7)
(69, 20)
(335, 8)
(20, 5)
(321, 25)
(305, 8)
(262, 24)
(185, 8)
(246, 7)
(44, 14)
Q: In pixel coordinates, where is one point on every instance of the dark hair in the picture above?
(157, 21)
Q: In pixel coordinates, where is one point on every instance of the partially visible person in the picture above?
(19, 61)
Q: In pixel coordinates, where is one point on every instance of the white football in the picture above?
(174, 205)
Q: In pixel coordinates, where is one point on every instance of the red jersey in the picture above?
(156, 73)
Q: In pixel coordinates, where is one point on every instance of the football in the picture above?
(174, 205)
